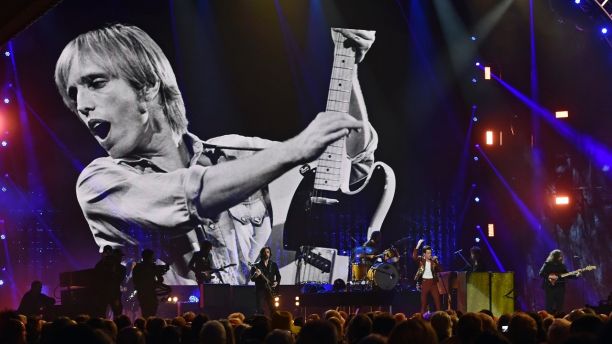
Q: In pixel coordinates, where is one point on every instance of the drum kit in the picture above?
(370, 270)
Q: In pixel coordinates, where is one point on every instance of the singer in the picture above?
(427, 275)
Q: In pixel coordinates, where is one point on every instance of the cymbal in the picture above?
(363, 250)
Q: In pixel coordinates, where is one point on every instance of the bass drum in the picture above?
(384, 276)
(359, 271)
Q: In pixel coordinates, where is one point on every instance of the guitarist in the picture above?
(201, 263)
(266, 276)
(554, 287)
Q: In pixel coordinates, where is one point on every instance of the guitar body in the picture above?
(336, 225)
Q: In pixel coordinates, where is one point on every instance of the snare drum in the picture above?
(359, 271)
(384, 276)
(391, 255)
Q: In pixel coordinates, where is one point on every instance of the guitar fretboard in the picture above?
(329, 169)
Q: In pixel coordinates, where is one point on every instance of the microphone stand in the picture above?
(467, 263)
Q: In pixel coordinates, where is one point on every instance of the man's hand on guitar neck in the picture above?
(361, 40)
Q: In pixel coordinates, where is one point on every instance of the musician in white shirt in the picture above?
(427, 275)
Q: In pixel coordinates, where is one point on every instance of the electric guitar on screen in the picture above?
(267, 283)
(554, 278)
(324, 210)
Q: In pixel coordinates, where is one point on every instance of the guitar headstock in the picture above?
(589, 268)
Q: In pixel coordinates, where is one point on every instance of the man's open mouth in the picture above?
(99, 128)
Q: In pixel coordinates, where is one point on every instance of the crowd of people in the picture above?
(331, 327)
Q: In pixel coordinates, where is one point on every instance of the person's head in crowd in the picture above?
(170, 335)
(469, 327)
(503, 321)
(546, 322)
(522, 329)
(130, 335)
(487, 312)
(239, 332)
(260, 326)
(122, 321)
(12, 331)
(213, 332)
(141, 324)
(399, 317)
(36, 287)
(359, 327)
(237, 315)
(588, 323)
(110, 328)
(574, 314)
(338, 324)
(317, 332)
(558, 331)
(82, 318)
(313, 317)
(281, 320)
(441, 323)
(488, 324)
(588, 310)
(539, 326)
(179, 322)
(383, 324)
(229, 331)
(298, 321)
(413, 331)
(154, 326)
(278, 336)
(82, 333)
(332, 313)
(344, 315)
(189, 316)
(373, 338)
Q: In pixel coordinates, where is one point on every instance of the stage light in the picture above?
(194, 299)
(487, 73)
(489, 137)
(6, 100)
(605, 168)
(491, 230)
(2, 236)
(475, 158)
(475, 119)
(604, 30)
(473, 38)
(477, 64)
(175, 299)
(276, 299)
(169, 298)
(473, 185)
(4, 143)
(4, 189)
(297, 298)
(276, 304)
(474, 80)
(1, 282)
(477, 239)
(477, 199)
(297, 303)
(561, 114)
(7, 53)
(577, 2)
(561, 200)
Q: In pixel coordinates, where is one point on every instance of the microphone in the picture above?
(458, 251)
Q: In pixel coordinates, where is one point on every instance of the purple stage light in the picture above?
(477, 199)
(475, 158)
(475, 119)
(6, 100)
(7, 53)
(477, 239)
(1, 282)
(4, 143)
(477, 64)
(604, 30)
(2, 237)
(577, 2)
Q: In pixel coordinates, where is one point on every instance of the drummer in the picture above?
(375, 243)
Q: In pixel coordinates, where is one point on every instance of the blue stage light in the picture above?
(7, 53)
(577, 1)
(3, 189)
(473, 38)
(475, 119)
(194, 299)
(477, 239)
(474, 80)
(475, 158)
(477, 64)
(2, 236)
(476, 199)
(606, 168)
(1, 282)
(604, 30)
